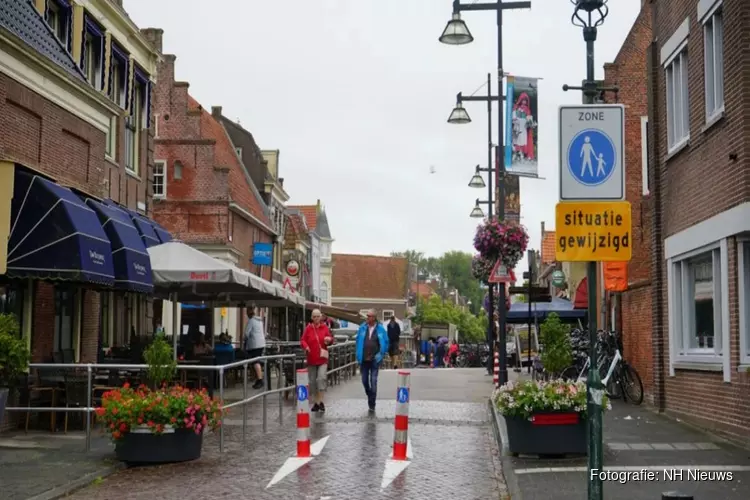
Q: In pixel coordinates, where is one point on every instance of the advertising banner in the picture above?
(521, 138)
(263, 254)
(512, 193)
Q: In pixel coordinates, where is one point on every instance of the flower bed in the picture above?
(495, 239)
(545, 418)
(157, 426)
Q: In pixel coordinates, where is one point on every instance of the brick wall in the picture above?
(684, 195)
(627, 73)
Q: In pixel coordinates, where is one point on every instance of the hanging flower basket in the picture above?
(481, 268)
(496, 239)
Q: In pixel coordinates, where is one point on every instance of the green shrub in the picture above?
(14, 353)
(557, 354)
(162, 366)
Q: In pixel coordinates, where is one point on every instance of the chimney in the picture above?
(154, 36)
(317, 208)
(216, 111)
(542, 229)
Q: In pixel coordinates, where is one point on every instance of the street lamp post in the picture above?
(589, 15)
(457, 33)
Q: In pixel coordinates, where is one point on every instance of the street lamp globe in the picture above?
(477, 181)
(459, 116)
(477, 213)
(456, 32)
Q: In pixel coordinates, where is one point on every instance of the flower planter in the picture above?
(547, 434)
(142, 447)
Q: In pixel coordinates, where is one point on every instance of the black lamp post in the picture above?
(589, 15)
(457, 33)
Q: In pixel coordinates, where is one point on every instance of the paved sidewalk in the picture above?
(637, 439)
(454, 453)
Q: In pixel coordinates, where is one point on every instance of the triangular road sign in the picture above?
(500, 273)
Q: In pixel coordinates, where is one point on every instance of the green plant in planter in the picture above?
(14, 353)
(557, 354)
(161, 364)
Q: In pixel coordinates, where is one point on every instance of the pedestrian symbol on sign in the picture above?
(302, 393)
(591, 157)
(403, 395)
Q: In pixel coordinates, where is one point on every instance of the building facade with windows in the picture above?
(698, 153)
(321, 243)
(75, 270)
(202, 191)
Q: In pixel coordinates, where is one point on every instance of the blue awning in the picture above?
(132, 263)
(162, 233)
(54, 235)
(144, 225)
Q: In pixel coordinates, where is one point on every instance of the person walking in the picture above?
(372, 344)
(394, 332)
(255, 343)
(315, 341)
(453, 353)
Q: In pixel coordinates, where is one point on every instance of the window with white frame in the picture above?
(387, 314)
(678, 112)
(697, 312)
(644, 155)
(743, 252)
(160, 179)
(324, 292)
(714, 63)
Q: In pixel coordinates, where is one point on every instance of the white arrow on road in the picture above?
(294, 463)
(395, 467)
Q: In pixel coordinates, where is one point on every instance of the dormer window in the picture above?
(57, 15)
(118, 76)
(92, 55)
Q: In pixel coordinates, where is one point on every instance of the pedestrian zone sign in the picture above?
(500, 273)
(593, 231)
(403, 395)
(302, 393)
(592, 152)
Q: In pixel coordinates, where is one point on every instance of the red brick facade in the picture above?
(706, 178)
(627, 74)
(209, 199)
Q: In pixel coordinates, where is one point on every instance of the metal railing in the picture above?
(348, 367)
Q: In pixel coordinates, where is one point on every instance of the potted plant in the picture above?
(14, 358)
(496, 239)
(158, 424)
(556, 353)
(545, 418)
(481, 268)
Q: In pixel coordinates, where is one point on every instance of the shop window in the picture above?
(64, 321)
(697, 306)
(12, 302)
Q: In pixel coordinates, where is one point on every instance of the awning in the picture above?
(176, 263)
(581, 299)
(132, 263)
(144, 225)
(161, 233)
(336, 312)
(54, 235)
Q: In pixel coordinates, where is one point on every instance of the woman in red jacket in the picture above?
(315, 341)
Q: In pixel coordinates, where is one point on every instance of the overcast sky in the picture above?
(356, 93)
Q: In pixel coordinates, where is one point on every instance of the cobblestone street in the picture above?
(454, 455)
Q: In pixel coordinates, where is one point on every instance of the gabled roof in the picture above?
(310, 212)
(369, 276)
(424, 289)
(322, 228)
(297, 223)
(21, 18)
(548, 247)
(241, 189)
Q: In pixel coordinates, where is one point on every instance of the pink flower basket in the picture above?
(495, 239)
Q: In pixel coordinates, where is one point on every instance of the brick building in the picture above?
(700, 194)
(203, 193)
(362, 282)
(633, 306)
(75, 137)
(321, 242)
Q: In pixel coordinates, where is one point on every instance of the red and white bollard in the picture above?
(303, 414)
(401, 436)
(496, 370)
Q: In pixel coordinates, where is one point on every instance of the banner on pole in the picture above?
(521, 138)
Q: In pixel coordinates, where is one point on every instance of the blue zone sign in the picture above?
(263, 254)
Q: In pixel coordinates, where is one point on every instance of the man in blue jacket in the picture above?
(372, 344)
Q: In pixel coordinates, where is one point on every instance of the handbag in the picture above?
(323, 352)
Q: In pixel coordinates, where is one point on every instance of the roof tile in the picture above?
(310, 212)
(369, 276)
(548, 247)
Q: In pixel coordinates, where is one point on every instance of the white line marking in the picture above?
(409, 450)
(291, 465)
(648, 468)
(392, 469)
(318, 446)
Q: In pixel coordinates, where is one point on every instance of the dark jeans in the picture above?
(369, 371)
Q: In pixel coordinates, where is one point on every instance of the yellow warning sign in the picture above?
(593, 231)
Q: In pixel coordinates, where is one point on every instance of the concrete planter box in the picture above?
(547, 434)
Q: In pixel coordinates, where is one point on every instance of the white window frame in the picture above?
(386, 317)
(679, 296)
(163, 175)
(644, 155)
(713, 62)
(324, 292)
(156, 125)
(93, 59)
(678, 99)
(743, 289)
